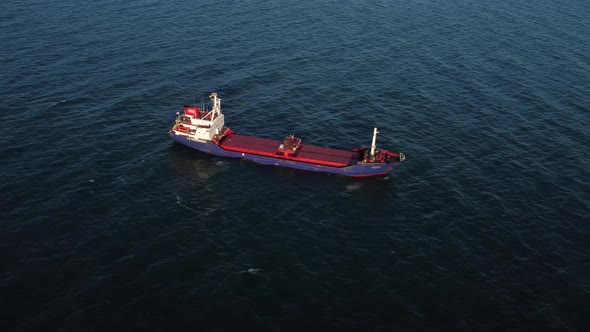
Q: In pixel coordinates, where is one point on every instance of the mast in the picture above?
(216, 105)
(373, 146)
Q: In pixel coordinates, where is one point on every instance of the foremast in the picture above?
(379, 155)
(373, 144)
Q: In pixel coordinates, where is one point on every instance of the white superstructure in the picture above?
(198, 124)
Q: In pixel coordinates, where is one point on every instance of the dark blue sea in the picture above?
(106, 224)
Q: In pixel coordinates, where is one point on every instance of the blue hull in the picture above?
(360, 170)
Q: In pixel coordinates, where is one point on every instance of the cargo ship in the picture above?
(204, 130)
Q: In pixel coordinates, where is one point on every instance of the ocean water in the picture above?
(106, 224)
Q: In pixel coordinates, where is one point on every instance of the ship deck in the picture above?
(307, 153)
